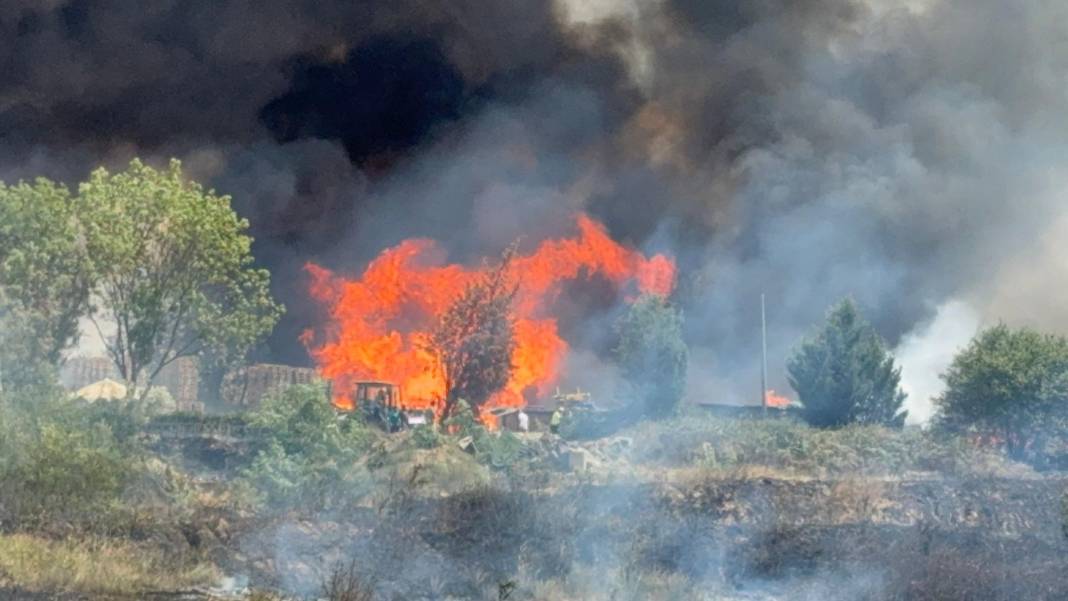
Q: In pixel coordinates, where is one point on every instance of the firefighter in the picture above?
(555, 419)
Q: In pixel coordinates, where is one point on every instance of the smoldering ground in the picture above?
(719, 538)
(907, 154)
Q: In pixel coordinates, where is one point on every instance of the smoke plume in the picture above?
(905, 154)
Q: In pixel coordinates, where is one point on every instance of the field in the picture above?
(691, 507)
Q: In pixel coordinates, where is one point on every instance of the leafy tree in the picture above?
(652, 355)
(45, 278)
(475, 339)
(844, 374)
(1008, 384)
(175, 272)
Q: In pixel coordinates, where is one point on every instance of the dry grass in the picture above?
(595, 585)
(94, 566)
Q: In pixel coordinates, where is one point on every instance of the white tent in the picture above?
(106, 389)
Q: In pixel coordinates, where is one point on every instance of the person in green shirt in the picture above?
(554, 421)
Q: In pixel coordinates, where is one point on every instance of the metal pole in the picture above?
(3, 340)
(763, 356)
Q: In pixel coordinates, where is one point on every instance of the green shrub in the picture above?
(588, 425)
(498, 449)
(302, 420)
(286, 481)
(310, 456)
(62, 474)
(426, 436)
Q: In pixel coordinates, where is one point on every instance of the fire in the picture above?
(381, 322)
(777, 400)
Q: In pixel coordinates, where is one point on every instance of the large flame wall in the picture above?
(381, 322)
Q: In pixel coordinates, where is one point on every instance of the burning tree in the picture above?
(475, 339)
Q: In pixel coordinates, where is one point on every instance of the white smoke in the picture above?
(925, 352)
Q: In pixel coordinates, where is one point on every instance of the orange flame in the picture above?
(381, 322)
(777, 400)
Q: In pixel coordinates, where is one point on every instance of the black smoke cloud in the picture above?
(906, 154)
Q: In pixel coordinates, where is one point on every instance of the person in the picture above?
(524, 421)
(555, 419)
(395, 418)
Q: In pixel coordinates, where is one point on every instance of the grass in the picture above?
(94, 566)
(790, 447)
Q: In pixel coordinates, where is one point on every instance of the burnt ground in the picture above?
(944, 539)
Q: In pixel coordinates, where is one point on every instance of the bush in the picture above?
(426, 436)
(844, 374)
(60, 462)
(64, 475)
(651, 354)
(499, 450)
(1010, 386)
(310, 453)
(302, 420)
(285, 481)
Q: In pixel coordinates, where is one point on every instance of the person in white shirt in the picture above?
(524, 421)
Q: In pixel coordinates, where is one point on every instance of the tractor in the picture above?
(381, 403)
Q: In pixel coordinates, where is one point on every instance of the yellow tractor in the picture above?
(381, 402)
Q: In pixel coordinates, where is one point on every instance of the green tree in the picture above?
(175, 273)
(475, 338)
(1008, 384)
(844, 374)
(652, 355)
(45, 277)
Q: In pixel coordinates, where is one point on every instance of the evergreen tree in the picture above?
(652, 355)
(845, 375)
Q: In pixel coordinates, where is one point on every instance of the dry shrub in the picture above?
(484, 524)
(346, 583)
(857, 499)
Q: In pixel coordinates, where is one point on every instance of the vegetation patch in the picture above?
(95, 566)
(726, 444)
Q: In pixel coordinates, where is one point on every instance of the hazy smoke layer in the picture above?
(901, 153)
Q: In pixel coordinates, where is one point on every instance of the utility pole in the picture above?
(763, 356)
